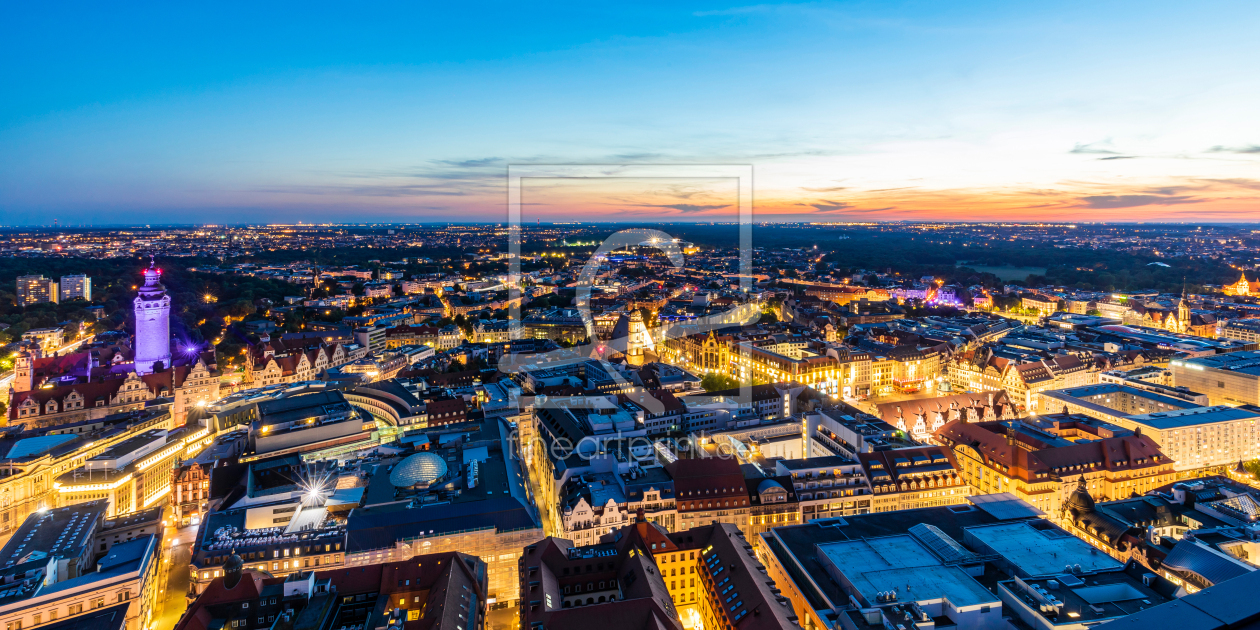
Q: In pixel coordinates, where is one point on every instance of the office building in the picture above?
(642, 576)
(1228, 379)
(962, 566)
(279, 516)
(438, 591)
(1226, 606)
(131, 475)
(34, 459)
(316, 422)
(1242, 329)
(1041, 462)
(51, 571)
(461, 494)
(1216, 437)
(907, 479)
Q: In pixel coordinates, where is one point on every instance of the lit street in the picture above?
(176, 586)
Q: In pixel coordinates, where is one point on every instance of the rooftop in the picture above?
(60, 531)
(1196, 416)
(901, 563)
(1034, 548)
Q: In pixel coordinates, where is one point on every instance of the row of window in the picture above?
(71, 610)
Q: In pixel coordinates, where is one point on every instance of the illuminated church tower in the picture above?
(153, 323)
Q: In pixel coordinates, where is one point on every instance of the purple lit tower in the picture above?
(153, 323)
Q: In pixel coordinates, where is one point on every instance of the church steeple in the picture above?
(1183, 309)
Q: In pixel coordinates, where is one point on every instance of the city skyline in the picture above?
(846, 111)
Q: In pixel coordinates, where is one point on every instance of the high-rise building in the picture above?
(36, 290)
(153, 323)
(74, 287)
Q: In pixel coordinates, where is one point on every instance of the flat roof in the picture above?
(39, 445)
(1242, 362)
(1119, 388)
(1041, 552)
(901, 563)
(56, 532)
(1195, 416)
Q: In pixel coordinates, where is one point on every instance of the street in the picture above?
(178, 543)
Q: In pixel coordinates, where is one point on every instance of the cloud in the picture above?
(1236, 182)
(384, 190)
(826, 190)
(474, 163)
(828, 206)
(685, 208)
(871, 210)
(1133, 201)
(1251, 148)
(1119, 157)
(1093, 148)
(635, 157)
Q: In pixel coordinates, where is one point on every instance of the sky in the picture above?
(172, 113)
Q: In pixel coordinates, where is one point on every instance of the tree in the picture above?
(464, 325)
(718, 382)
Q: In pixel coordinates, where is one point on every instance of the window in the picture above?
(14, 625)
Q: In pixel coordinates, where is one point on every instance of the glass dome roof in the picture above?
(421, 468)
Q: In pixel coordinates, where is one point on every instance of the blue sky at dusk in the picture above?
(847, 111)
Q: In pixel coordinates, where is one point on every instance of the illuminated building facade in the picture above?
(132, 475)
(36, 290)
(35, 460)
(1042, 464)
(153, 324)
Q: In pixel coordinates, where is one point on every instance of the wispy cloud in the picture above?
(1133, 201)
(1250, 148)
(1235, 182)
(1094, 148)
(383, 190)
(828, 205)
(685, 208)
(831, 189)
(474, 163)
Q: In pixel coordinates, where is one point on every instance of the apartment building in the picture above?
(37, 290)
(76, 288)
